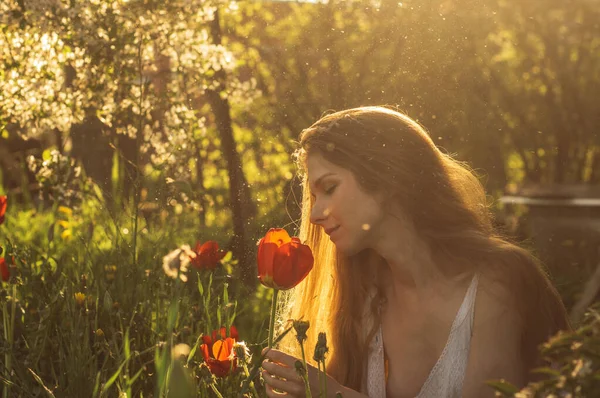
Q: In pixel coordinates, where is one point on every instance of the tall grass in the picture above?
(88, 313)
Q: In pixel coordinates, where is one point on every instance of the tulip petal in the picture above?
(278, 236)
(293, 261)
(208, 255)
(220, 350)
(219, 355)
(3, 205)
(229, 342)
(208, 247)
(220, 368)
(266, 255)
(4, 271)
(205, 354)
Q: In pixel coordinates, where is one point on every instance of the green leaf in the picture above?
(41, 383)
(114, 377)
(227, 257)
(218, 312)
(131, 380)
(200, 287)
(233, 315)
(107, 302)
(193, 350)
(126, 345)
(173, 311)
(50, 234)
(547, 371)
(503, 387)
(97, 384)
(180, 382)
(161, 361)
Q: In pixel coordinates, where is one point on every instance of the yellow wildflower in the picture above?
(67, 234)
(65, 210)
(80, 298)
(64, 224)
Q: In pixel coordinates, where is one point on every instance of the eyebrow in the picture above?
(318, 182)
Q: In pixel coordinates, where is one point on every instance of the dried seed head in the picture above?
(301, 327)
(321, 348)
(242, 352)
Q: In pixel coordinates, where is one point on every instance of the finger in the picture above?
(281, 357)
(289, 387)
(281, 371)
(271, 393)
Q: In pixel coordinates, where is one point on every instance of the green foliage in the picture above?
(83, 310)
(575, 364)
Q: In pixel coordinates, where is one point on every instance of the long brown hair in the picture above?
(392, 154)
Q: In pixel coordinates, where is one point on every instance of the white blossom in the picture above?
(177, 262)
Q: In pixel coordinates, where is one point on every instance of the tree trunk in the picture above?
(200, 187)
(90, 146)
(240, 203)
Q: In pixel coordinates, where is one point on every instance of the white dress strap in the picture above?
(446, 377)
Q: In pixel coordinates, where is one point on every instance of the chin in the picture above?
(347, 249)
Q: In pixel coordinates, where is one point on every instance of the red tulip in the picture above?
(219, 353)
(3, 205)
(208, 255)
(4, 271)
(283, 262)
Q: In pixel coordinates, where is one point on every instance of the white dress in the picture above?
(446, 377)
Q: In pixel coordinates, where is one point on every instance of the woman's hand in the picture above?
(280, 374)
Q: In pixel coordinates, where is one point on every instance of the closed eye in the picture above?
(330, 190)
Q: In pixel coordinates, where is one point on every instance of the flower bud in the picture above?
(299, 368)
(80, 298)
(241, 351)
(301, 327)
(321, 348)
(205, 374)
(180, 351)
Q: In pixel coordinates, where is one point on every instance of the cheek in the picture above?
(341, 210)
(372, 214)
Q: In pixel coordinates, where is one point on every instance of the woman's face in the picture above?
(350, 216)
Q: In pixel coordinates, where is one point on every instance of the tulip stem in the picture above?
(247, 374)
(320, 380)
(272, 320)
(216, 390)
(305, 372)
(324, 380)
(255, 369)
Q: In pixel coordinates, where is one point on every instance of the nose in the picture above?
(319, 214)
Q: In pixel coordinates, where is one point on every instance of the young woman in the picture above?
(418, 295)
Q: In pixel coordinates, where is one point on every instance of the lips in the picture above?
(328, 231)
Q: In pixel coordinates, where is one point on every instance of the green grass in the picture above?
(84, 317)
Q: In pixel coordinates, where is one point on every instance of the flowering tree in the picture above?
(142, 68)
(150, 81)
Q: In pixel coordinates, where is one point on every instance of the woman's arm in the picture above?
(495, 351)
(280, 373)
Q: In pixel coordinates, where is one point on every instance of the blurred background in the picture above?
(128, 128)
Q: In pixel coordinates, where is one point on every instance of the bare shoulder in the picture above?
(496, 300)
(495, 351)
